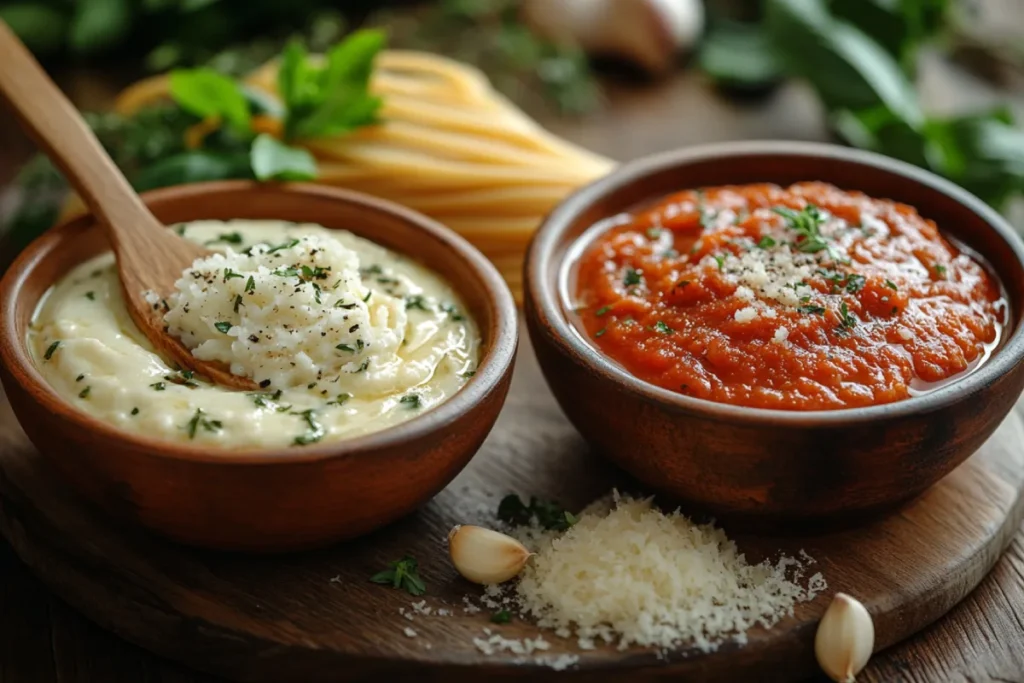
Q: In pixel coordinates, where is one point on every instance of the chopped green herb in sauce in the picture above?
(817, 310)
(201, 421)
(601, 311)
(891, 285)
(766, 242)
(846, 320)
(222, 326)
(662, 328)
(84, 393)
(91, 296)
(157, 386)
(314, 430)
(411, 401)
(632, 277)
(50, 350)
(227, 238)
(806, 223)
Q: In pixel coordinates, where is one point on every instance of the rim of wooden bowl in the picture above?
(544, 300)
(493, 366)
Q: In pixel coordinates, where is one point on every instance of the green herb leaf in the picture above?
(601, 311)
(193, 167)
(402, 574)
(91, 296)
(766, 242)
(742, 56)
(547, 514)
(84, 393)
(314, 432)
(135, 411)
(334, 98)
(847, 68)
(227, 238)
(200, 420)
(411, 401)
(223, 327)
(806, 223)
(250, 285)
(632, 277)
(816, 310)
(891, 285)
(50, 350)
(662, 328)
(846, 320)
(206, 93)
(274, 160)
(855, 282)
(158, 386)
(98, 24)
(501, 617)
(231, 275)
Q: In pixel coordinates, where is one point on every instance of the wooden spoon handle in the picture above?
(59, 129)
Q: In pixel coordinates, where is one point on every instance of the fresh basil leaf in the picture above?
(351, 61)
(738, 55)
(98, 24)
(193, 167)
(847, 68)
(879, 130)
(332, 99)
(41, 27)
(347, 109)
(204, 92)
(274, 160)
(899, 27)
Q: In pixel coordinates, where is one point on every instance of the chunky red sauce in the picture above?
(804, 298)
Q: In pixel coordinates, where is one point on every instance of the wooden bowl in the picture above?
(264, 499)
(772, 465)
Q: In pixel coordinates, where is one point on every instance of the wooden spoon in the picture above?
(149, 256)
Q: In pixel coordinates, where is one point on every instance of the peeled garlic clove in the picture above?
(648, 33)
(484, 556)
(845, 639)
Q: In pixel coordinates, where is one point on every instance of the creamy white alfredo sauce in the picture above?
(366, 340)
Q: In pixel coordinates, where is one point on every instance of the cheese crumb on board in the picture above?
(627, 573)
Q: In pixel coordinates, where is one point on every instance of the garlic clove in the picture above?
(484, 556)
(845, 639)
(648, 33)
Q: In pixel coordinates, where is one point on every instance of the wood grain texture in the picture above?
(315, 617)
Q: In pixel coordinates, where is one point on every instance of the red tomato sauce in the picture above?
(799, 298)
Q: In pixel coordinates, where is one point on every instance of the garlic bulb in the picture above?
(484, 556)
(649, 33)
(845, 639)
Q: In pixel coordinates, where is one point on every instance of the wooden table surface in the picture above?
(982, 639)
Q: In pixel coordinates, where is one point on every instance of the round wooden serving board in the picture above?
(315, 617)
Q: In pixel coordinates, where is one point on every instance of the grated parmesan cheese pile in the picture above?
(629, 574)
(286, 315)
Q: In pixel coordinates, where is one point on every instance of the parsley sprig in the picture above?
(402, 574)
(806, 223)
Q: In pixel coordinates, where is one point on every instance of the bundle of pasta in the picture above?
(447, 145)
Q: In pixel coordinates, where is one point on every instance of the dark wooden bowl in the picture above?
(772, 464)
(264, 499)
